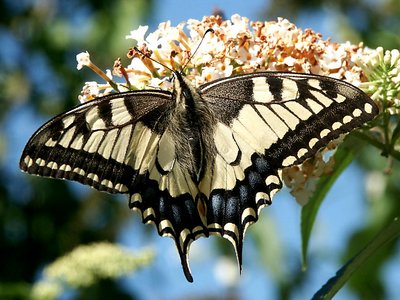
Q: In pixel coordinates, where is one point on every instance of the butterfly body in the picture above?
(191, 126)
(198, 161)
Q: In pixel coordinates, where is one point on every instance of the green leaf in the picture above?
(343, 157)
(334, 284)
(395, 134)
(374, 142)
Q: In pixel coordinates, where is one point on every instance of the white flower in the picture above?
(240, 26)
(138, 34)
(109, 74)
(394, 58)
(89, 91)
(289, 61)
(137, 65)
(331, 59)
(83, 59)
(382, 68)
(158, 83)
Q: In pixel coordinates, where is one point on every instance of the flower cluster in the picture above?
(383, 72)
(302, 179)
(86, 265)
(238, 46)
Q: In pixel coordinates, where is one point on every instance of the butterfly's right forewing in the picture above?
(287, 116)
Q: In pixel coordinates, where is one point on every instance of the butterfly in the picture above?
(198, 161)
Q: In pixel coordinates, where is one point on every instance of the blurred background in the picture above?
(42, 219)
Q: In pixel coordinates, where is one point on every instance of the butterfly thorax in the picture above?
(191, 125)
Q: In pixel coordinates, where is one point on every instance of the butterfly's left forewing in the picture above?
(106, 143)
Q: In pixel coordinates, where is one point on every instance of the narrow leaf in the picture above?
(395, 135)
(334, 284)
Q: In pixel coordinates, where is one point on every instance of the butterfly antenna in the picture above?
(198, 46)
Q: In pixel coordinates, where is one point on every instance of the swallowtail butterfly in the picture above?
(199, 161)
